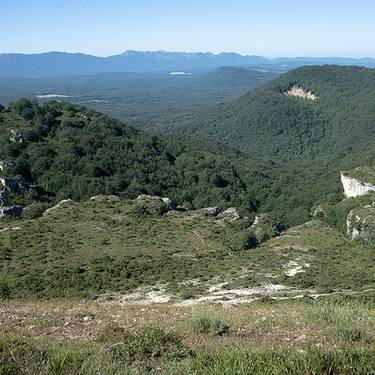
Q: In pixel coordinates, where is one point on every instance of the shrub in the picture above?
(204, 322)
(242, 240)
(150, 343)
(150, 207)
(34, 211)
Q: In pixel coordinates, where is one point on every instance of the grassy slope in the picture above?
(85, 337)
(99, 247)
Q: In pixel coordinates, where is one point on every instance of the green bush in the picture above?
(207, 323)
(150, 343)
(242, 240)
(34, 211)
(149, 207)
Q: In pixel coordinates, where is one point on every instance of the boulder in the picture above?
(15, 136)
(230, 215)
(11, 165)
(211, 211)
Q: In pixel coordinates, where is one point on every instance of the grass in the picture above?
(100, 247)
(264, 338)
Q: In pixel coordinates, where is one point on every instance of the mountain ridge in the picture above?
(56, 63)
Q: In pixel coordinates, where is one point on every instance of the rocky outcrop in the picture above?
(153, 205)
(6, 210)
(301, 93)
(105, 198)
(14, 185)
(15, 136)
(11, 211)
(355, 188)
(155, 198)
(4, 198)
(210, 211)
(360, 223)
(230, 215)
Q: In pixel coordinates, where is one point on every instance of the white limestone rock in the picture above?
(355, 188)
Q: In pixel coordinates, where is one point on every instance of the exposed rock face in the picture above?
(153, 205)
(230, 215)
(14, 185)
(6, 210)
(301, 93)
(360, 224)
(355, 188)
(10, 211)
(167, 201)
(212, 211)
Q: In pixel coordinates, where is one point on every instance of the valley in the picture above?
(238, 233)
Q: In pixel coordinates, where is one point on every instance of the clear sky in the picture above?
(263, 27)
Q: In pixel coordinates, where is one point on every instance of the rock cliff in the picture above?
(355, 188)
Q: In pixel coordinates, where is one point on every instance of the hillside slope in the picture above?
(338, 117)
(106, 245)
(66, 151)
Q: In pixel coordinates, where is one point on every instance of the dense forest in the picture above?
(141, 99)
(267, 122)
(67, 151)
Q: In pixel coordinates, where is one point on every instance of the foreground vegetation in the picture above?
(107, 245)
(83, 337)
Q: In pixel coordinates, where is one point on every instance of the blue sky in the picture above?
(263, 27)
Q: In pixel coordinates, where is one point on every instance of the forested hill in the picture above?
(67, 151)
(333, 113)
(235, 76)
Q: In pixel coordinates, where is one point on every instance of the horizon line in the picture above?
(190, 52)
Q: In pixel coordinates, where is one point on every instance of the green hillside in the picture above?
(266, 121)
(106, 245)
(73, 152)
(65, 151)
(234, 77)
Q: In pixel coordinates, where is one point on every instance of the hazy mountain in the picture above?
(53, 64)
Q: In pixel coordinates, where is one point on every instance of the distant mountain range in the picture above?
(57, 64)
